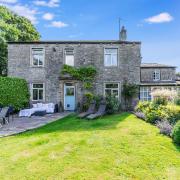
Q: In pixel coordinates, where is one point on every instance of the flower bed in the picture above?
(163, 116)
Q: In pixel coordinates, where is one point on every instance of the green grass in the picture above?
(113, 147)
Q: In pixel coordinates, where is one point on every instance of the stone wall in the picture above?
(166, 74)
(129, 60)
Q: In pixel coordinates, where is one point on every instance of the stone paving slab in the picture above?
(21, 124)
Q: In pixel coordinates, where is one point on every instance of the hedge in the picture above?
(176, 133)
(14, 92)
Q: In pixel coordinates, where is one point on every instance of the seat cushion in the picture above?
(39, 113)
(39, 105)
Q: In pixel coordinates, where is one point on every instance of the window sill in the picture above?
(110, 66)
(37, 100)
(37, 66)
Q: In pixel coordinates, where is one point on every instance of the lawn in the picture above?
(113, 147)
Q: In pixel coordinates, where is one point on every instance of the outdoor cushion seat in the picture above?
(90, 110)
(101, 111)
(39, 113)
(49, 108)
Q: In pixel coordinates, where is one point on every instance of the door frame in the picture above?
(74, 87)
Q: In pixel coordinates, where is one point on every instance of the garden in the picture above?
(163, 111)
(119, 146)
(115, 146)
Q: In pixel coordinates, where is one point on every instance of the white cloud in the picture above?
(160, 18)
(50, 3)
(48, 16)
(8, 1)
(23, 10)
(26, 12)
(58, 24)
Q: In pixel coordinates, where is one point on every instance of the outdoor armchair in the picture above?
(3, 116)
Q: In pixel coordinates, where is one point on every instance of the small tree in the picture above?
(13, 28)
(130, 90)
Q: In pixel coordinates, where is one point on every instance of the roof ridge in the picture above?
(155, 65)
(74, 41)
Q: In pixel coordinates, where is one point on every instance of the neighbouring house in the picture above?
(157, 76)
(116, 61)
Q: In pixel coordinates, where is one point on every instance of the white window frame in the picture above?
(112, 88)
(111, 56)
(43, 62)
(32, 88)
(65, 55)
(156, 75)
(143, 90)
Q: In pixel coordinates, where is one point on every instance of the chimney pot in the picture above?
(123, 34)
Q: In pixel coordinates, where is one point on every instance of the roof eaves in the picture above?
(76, 42)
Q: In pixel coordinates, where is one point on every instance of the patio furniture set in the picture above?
(41, 109)
(38, 109)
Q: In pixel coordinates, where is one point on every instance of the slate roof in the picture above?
(156, 65)
(77, 42)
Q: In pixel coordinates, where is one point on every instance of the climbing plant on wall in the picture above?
(84, 74)
(129, 91)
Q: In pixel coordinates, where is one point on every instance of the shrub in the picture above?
(88, 97)
(142, 105)
(14, 92)
(98, 99)
(177, 101)
(176, 133)
(112, 104)
(154, 112)
(173, 112)
(164, 95)
(152, 116)
(165, 127)
(150, 111)
(160, 101)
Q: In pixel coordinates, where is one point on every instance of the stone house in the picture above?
(116, 61)
(40, 64)
(157, 76)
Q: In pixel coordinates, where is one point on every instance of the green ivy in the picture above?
(14, 92)
(84, 74)
(130, 90)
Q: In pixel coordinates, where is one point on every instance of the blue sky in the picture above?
(153, 22)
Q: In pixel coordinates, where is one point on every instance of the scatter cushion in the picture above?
(50, 105)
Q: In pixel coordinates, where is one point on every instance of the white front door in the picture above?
(69, 97)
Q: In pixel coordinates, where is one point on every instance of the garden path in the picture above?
(21, 124)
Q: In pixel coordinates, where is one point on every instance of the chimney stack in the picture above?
(123, 34)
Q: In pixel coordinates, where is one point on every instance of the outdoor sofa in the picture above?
(39, 107)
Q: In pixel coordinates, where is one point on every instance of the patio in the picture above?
(21, 124)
